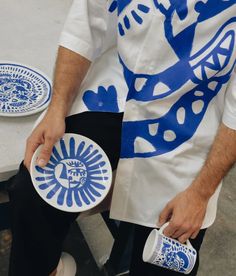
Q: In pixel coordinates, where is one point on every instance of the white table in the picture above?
(29, 33)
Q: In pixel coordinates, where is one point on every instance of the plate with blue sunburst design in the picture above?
(77, 177)
(23, 90)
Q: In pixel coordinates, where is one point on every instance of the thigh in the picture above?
(104, 128)
(138, 267)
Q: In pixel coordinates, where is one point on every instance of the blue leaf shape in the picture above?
(63, 149)
(61, 197)
(104, 100)
(97, 185)
(89, 194)
(80, 149)
(56, 154)
(77, 198)
(84, 197)
(94, 160)
(93, 191)
(69, 200)
(53, 191)
(42, 170)
(97, 166)
(72, 147)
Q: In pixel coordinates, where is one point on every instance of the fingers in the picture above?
(31, 147)
(194, 235)
(181, 231)
(45, 152)
(184, 237)
(165, 214)
(178, 227)
(171, 229)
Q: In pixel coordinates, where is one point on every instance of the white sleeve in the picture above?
(229, 115)
(85, 28)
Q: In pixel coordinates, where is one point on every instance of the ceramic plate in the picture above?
(77, 177)
(23, 91)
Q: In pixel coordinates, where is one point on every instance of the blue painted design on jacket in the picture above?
(200, 69)
(103, 100)
(169, 123)
(120, 5)
(136, 14)
(205, 10)
(171, 77)
(211, 8)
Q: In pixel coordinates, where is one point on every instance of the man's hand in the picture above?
(187, 210)
(70, 71)
(48, 132)
(185, 214)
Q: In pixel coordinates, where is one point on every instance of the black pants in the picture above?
(39, 230)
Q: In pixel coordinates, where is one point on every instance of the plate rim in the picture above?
(37, 71)
(77, 209)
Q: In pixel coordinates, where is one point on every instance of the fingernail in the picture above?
(41, 162)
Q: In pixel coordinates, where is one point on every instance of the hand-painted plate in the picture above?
(23, 91)
(77, 177)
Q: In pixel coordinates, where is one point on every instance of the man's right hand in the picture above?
(47, 132)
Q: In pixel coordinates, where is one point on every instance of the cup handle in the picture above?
(188, 243)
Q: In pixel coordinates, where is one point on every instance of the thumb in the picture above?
(165, 214)
(45, 153)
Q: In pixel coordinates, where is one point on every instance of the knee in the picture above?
(20, 186)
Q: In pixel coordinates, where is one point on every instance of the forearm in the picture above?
(70, 71)
(221, 158)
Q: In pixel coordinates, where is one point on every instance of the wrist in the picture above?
(58, 108)
(56, 111)
(202, 190)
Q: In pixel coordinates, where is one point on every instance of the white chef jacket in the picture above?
(169, 65)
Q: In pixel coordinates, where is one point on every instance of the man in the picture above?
(175, 69)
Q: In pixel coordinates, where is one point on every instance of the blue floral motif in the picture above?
(75, 177)
(136, 14)
(22, 89)
(103, 100)
(120, 5)
(175, 256)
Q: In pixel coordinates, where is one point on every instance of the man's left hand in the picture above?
(185, 214)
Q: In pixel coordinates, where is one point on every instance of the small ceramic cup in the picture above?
(169, 253)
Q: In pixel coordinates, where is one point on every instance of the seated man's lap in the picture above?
(103, 128)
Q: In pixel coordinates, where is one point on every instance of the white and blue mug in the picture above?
(169, 253)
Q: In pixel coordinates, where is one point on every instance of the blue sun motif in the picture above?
(136, 14)
(75, 177)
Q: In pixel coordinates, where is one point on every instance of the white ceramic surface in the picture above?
(77, 177)
(24, 90)
(169, 253)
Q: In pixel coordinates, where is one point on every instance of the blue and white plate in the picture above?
(23, 91)
(77, 177)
